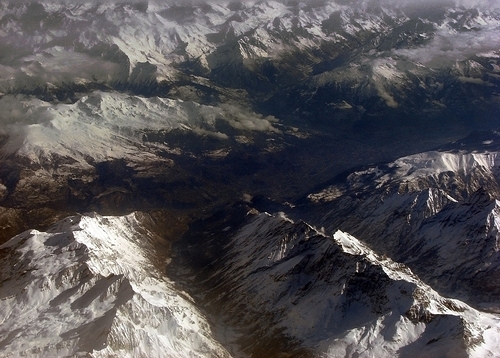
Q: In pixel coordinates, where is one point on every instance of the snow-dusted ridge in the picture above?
(292, 289)
(91, 285)
(480, 331)
(116, 106)
(412, 172)
(108, 41)
(106, 126)
(96, 284)
(435, 211)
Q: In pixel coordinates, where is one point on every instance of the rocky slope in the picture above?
(317, 61)
(268, 286)
(94, 285)
(435, 211)
(109, 106)
(280, 287)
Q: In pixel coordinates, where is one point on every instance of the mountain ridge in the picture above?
(89, 286)
(118, 258)
(410, 208)
(302, 277)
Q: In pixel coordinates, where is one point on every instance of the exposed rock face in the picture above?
(272, 84)
(96, 285)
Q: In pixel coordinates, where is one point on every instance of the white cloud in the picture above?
(449, 47)
(243, 119)
(208, 133)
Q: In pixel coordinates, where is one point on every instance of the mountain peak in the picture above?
(90, 284)
(280, 272)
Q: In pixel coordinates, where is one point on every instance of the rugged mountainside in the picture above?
(281, 287)
(438, 212)
(225, 152)
(269, 286)
(319, 60)
(105, 105)
(94, 284)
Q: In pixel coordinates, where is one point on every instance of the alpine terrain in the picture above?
(275, 178)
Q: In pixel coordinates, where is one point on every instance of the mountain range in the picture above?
(250, 179)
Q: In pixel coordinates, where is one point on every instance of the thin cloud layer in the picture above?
(446, 47)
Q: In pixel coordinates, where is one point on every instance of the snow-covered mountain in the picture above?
(282, 287)
(187, 123)
(278, 49)
(105, 126)
(156, 91)
(95, 286)
(438, 212)
(107, 145)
